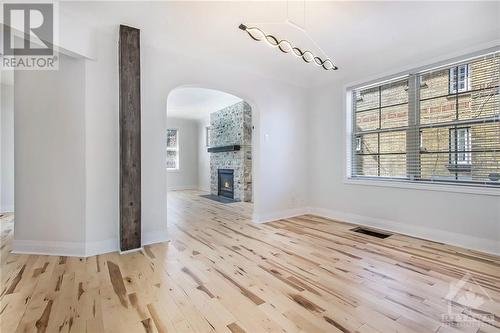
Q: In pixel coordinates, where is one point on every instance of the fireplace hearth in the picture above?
(226, 183)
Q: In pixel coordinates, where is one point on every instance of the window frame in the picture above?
(176, 149)
(407, 183)
(455, 152)
(454, 84)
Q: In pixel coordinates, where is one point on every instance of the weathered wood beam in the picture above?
(130, 138)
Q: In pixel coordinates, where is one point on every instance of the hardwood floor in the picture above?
(221, 273)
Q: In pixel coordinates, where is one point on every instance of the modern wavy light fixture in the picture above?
(287, 47)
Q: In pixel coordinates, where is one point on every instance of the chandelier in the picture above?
(287, 47)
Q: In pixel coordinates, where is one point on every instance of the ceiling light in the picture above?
(287, 47)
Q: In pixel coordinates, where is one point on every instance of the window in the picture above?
(460, 147)
(172, 149)
(423, 128)
(459, 76)
(381, 119)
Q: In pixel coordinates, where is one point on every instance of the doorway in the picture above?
(209, 144)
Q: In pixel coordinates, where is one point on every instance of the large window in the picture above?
(440, 125)
(172, 149)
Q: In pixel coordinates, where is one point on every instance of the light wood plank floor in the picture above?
(221, 273)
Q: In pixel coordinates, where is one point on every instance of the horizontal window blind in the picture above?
(441, 125)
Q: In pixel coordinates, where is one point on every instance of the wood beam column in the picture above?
(130, 138)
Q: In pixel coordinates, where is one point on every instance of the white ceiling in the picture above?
(363, 38)
(197, 103)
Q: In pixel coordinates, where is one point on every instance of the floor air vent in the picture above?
(371, 232)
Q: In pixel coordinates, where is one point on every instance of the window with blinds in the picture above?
(440, 125)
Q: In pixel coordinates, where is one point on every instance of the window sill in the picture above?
(427, 186)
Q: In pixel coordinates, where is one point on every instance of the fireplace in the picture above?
(226, 183)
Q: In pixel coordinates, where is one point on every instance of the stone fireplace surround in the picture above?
(232, 126)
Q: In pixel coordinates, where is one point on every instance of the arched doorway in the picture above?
(211, 151)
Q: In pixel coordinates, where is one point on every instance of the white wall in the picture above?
(49, 138)
(7, 149)
(278, 115)
(102, 144)
(186, 178)
(66, 140)
(455, 218)
(203, 155)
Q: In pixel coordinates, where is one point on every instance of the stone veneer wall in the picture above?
(232, 126)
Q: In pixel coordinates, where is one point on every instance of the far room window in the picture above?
(172, 149)
(460, 146)
(459, 77)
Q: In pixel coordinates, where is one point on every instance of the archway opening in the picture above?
(210, 155)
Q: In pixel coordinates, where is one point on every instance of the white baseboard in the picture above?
(131, 251)
(7, 209)
(446, 237)
(113, 245)
(156, 236)
(182, 188)
(102, 246)
(284, 214)
(431, 234)
(51, 248)
(71, 249)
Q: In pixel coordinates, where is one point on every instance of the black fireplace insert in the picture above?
(226, 183)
